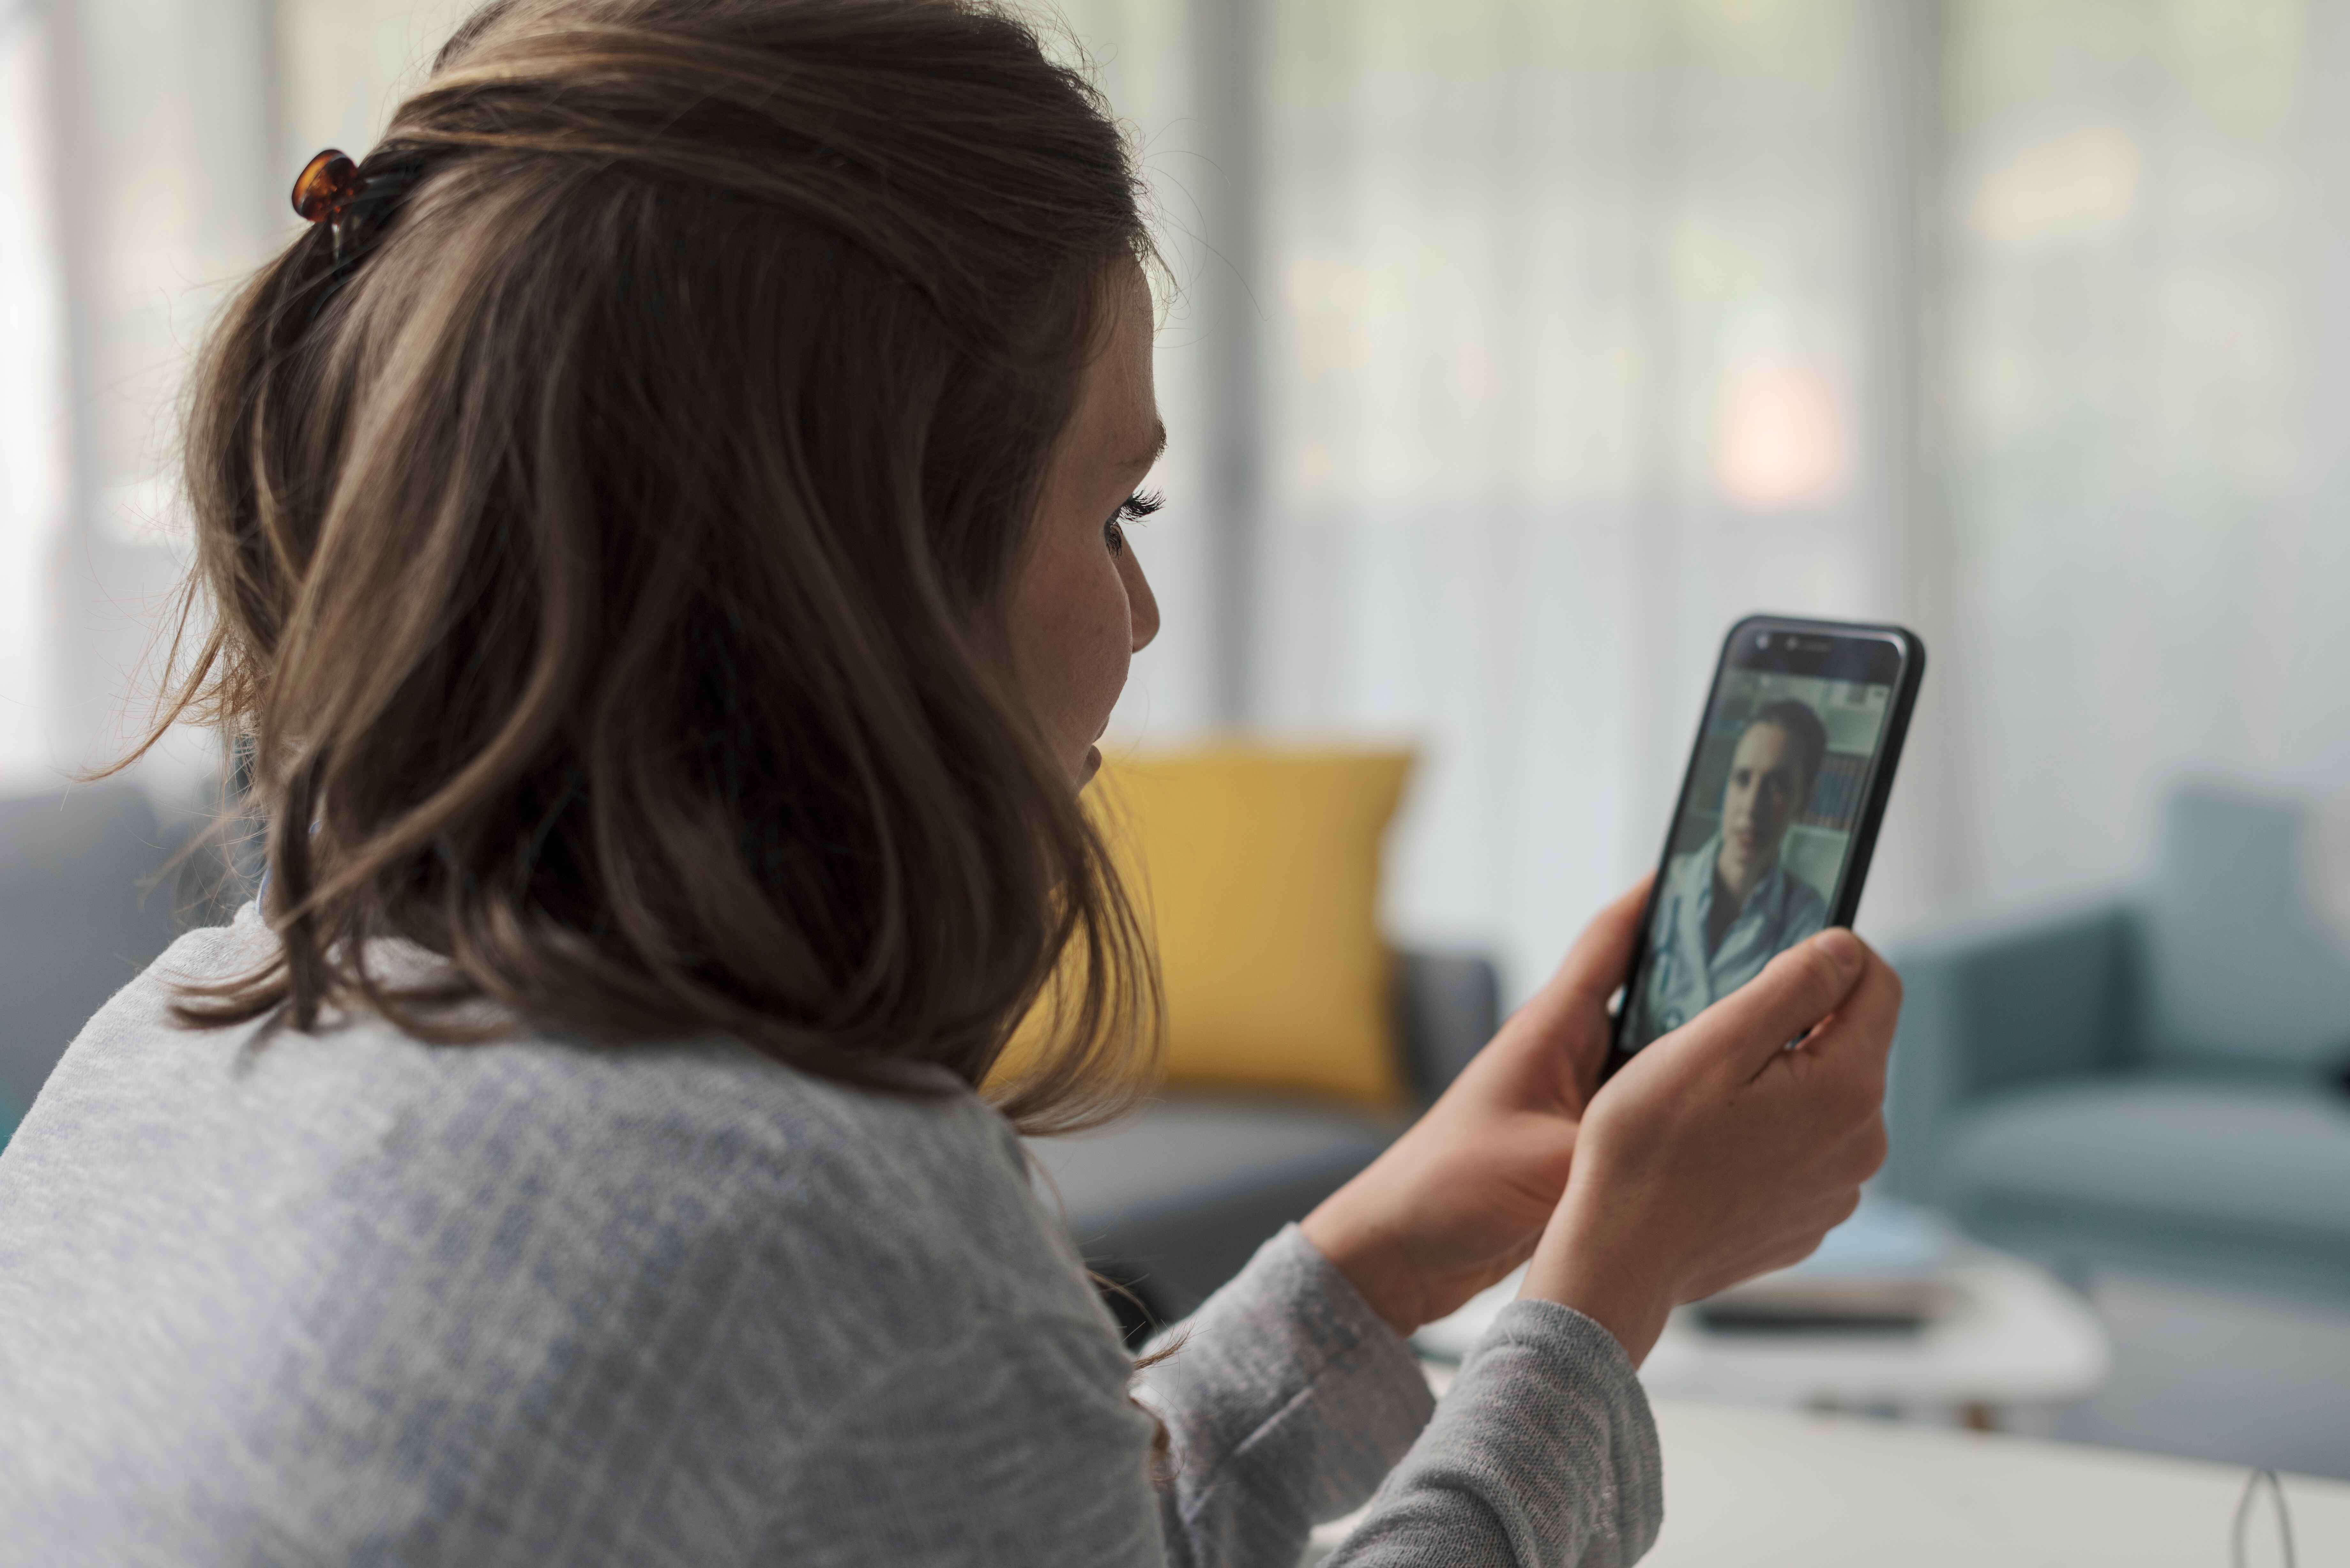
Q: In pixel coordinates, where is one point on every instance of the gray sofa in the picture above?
(1170, 1202)
(84, 904)
(2152, 1081)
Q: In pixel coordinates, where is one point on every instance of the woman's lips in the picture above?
(1093, 761)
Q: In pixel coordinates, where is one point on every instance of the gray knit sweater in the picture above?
(268, 1297)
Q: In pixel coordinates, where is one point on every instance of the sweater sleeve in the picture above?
(1288, 1401)
(1544, 1451)
(1285, 1399)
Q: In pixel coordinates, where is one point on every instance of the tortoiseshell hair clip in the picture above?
(324, 189)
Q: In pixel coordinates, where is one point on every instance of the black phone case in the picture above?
(1880, 789)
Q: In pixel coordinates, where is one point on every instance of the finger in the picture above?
(1783, 1244)
(1752, 1262)
(1807, 1220)
(1864, 1021)
(1868, 1149)
(1856, 1154)
(1750, 1028)
(1602, 955)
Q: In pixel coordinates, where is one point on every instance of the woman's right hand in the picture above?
(1717, 1153)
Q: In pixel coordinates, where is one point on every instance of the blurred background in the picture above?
(1514, 347)
(1511, 349)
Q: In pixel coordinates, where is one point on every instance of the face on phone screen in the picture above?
(1774, 798)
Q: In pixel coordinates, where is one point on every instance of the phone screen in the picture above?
(1789, 776)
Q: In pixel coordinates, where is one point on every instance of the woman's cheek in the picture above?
(1111, 636)
(1073, 644)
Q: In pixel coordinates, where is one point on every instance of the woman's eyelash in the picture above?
(1133, 509)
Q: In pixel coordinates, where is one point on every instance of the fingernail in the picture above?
(1842, 948)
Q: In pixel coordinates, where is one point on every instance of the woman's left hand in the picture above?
(1460, 1199)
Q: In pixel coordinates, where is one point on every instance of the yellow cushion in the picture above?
(1258, 870)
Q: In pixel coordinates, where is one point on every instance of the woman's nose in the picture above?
(1141, 604)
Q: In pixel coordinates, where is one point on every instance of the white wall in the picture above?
(1562, 334)
(34, 452)
(2145, 400)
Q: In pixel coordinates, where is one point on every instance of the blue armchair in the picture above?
(2153, 1081)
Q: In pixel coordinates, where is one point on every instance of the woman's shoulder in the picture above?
(412, 1272)
(533, 1165)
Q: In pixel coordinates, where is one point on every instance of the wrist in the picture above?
(1370, 1263)
(1635, 1317)
(1614, 1282)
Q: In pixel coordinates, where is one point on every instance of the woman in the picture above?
(666, 528)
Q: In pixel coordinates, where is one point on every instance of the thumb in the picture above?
(1595, 965)
(1748, 1028)
(1587, 977)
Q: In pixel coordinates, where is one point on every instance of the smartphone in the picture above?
(1778, 812)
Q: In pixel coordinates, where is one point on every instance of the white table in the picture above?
(2012, 1337)
(1756, 1488)
(1776, 1486)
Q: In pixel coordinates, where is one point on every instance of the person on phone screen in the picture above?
(1729, 905)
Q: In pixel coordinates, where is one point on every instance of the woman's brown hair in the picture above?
(601, 561)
